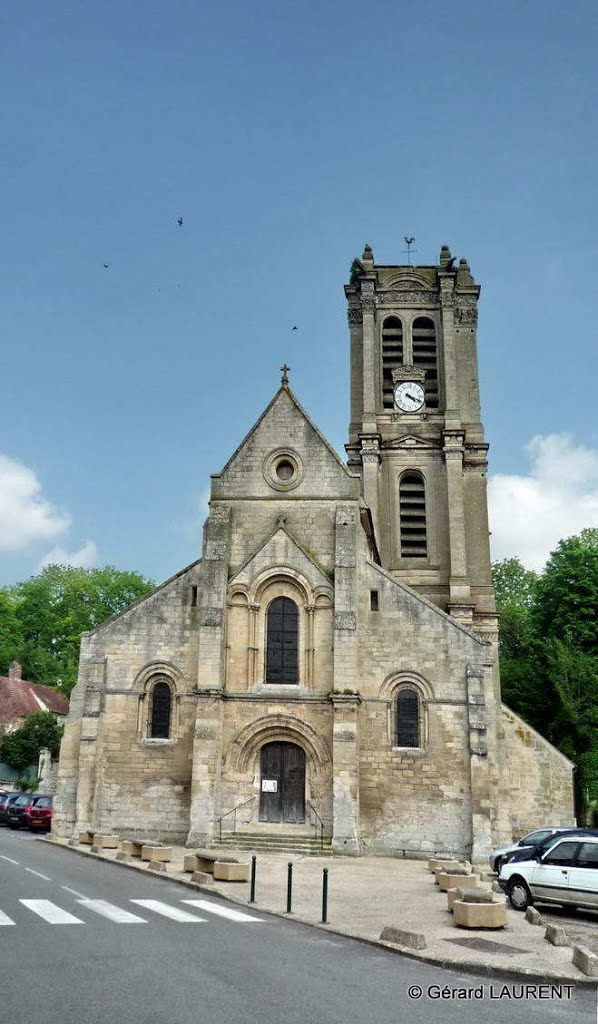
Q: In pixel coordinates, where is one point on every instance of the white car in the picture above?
(567, 874)
(531, 840)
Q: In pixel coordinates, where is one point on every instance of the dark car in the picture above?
(38, 816)
(15, 815)
(5, 802)
(541, 848)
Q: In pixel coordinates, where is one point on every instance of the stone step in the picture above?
(248, 841)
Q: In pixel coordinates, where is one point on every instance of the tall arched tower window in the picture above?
(160, 712)
(424, 355)
(392, 356)
(412, 513)
(408, 719)
(282, 642)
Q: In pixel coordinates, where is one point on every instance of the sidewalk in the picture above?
(368, 893)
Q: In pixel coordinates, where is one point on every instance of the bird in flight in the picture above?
(294, 328)
(106, 265)
(179, 221)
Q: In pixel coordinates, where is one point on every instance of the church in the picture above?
(329, 667)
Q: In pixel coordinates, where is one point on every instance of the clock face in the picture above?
(409, 396)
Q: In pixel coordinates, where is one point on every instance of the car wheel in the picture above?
(519, 895)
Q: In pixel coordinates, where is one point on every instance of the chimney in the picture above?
(14, 671)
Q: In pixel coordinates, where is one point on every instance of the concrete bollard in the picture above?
(161, 854)
(399, 937)
(586, 961)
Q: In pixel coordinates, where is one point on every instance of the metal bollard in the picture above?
(290, 888)
(325, 896)
(252, 888)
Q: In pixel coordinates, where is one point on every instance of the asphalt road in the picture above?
(64, 961)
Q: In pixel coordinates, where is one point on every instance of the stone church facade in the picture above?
(332, 657)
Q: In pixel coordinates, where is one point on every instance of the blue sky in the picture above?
(286, 135)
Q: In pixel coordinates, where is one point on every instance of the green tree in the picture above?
(566, 602)
(21, 748)
(515, 588)
(50, 611)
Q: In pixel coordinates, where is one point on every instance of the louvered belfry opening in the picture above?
(423, 335)
(392, 356)
(407, 719)
(282, 643)
(412, 507)
(160, 716)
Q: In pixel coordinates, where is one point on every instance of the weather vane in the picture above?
(409, 242)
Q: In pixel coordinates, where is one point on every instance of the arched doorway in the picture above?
(282, 783)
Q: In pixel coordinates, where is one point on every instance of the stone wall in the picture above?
(539, 784)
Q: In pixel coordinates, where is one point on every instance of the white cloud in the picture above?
(85, 558)
(556, 499)
(25, 516)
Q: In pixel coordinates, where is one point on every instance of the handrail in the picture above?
(232, 811)
(317, 824)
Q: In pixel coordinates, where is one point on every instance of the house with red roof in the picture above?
(19, 698)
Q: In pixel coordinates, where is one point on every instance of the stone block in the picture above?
(447, 865)
(533, 916)
(131, 847)
(556, 936)
(479, 915)
(156, 853)
(86, 838)
(413, 940)
(190, 862)
(202, 877)
(156, 865)
(455, 880)
(468, 895)
(121, 855)
(586, 961)
(105, 842)
(229, 871)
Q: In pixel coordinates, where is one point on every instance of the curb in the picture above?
(466, 966)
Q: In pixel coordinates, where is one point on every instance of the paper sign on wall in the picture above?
(269, 785)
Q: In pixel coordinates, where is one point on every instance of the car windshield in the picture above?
(22, 801)
(535, 837)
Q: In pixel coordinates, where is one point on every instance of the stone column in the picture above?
(345, 774)
(213, 598)
(207, 767)
(345, 599)
(478, 720)
(370, 367)
(370, 460)
(460, 603)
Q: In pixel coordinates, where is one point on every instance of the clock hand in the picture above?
(412, 397)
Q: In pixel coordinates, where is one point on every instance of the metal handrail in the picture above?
(317, 824)
(232, 811)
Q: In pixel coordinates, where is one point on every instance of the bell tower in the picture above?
(416, 435)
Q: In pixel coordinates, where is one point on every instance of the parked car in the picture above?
(547, 843)
(15, 814)
(566, 874)
(5, 802)
(529, 842)
(38, 816)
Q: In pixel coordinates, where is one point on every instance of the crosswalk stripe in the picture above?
(215, 908)
(50, 912)
(5, 919)
(175, 913)
(113, 913)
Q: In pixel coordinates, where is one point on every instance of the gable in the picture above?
(285, 427)
(281, 551)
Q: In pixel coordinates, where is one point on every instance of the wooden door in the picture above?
(282, 784)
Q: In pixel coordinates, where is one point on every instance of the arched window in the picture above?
(159, 719)
(392, 356)
(282, 642)
(407, 718)
(424, 355)
(412, 511)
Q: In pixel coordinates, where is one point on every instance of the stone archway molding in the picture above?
(271, 729)
(160, 668)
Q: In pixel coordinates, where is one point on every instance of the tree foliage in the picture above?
(549, 650)
(46, 615)
(21, 748)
